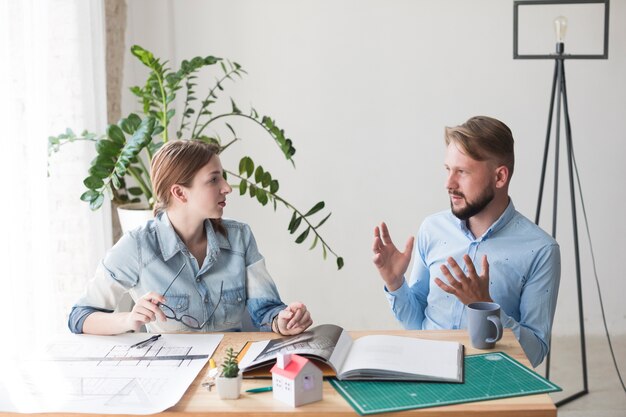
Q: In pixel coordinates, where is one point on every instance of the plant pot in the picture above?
(133, 215)
(228, 388)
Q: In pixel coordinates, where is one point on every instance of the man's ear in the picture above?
(178, 193)
(502, 176)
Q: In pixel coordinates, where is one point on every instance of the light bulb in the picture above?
(560, 26)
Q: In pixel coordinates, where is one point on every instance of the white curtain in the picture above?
(52, 76)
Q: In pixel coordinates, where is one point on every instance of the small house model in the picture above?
(296, 380)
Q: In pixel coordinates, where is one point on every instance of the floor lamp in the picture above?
(559, 94)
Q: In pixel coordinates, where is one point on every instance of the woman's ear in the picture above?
(502, 176)
(178, 193)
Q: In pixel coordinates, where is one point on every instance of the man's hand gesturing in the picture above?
(391, 263)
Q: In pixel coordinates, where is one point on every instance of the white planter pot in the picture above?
(133, 215)
(228, 388)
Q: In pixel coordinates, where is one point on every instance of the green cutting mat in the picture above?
(487, 376)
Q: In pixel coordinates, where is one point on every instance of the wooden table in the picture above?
(199, 401)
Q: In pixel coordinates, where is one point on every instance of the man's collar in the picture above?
(502, 221)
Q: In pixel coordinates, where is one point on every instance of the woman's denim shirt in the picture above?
(149, 259)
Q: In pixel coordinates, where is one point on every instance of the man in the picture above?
(520, 263)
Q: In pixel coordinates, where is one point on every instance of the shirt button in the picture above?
(206, 299)
(197, 279)
(239, 299)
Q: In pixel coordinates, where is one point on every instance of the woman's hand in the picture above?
(146, 310)
(293, 320)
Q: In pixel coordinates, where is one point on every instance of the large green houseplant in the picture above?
(120, 170)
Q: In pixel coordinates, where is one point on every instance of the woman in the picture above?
(187, 269)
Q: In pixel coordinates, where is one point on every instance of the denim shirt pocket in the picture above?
(233, 305)
(179, 303)
(180, 306)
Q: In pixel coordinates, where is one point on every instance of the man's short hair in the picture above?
(484, 138)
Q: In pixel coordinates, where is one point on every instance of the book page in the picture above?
(342, 349)
(319, 342)
(397, 357)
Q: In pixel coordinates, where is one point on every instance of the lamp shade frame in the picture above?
(518, 3)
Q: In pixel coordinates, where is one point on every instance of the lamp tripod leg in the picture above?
(559, 93)
(555, 93)
(570, 159)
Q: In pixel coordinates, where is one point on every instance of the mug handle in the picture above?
(496, 321)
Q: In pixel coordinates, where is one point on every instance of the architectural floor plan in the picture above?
(105, 374)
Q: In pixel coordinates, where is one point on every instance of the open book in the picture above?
(370, 357)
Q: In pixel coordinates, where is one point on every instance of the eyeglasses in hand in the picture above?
(186, 319)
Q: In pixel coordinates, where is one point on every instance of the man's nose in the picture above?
(451, 183)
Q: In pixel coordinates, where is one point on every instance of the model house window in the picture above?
(308, 382)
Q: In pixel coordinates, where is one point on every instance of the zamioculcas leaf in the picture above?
(314, 242)
(339, 262)
(242, 165)
(303, 236)
(231, 129)
(315, 209)
(248, 166)
(266, 179)
(296, 223)
(130, 124)
(273, 186)
(116, 134)
(97, 203)
(292, 221)
(261, 196)
(136, 91)
(323, 220)
(235, 108)
(144, 56)
(89, 195)
(93, 183)
(104, 162)
(243, 185)
(107, 147)
(116, 181)
(258, 174)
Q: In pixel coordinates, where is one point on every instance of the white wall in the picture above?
(365, 88)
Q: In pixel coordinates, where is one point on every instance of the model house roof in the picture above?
(292, 369)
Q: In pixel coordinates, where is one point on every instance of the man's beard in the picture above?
(472, 208)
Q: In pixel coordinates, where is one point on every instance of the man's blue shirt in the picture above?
(524, 274)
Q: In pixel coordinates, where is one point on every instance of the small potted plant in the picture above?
(229, 382)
